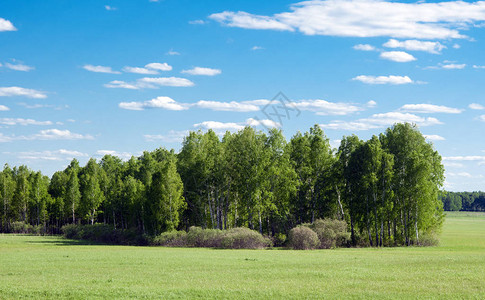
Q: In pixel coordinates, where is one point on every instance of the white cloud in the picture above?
(381, 121)
(478, 67)
(48, 134)
(171, 52)
(20, 121)
(452, 164)
(453, 66)
(335, 144)
(429, 108)
(324, 108)
(254, 48)
(38, 105)
(100, 69)
(150, 82)
(202, 71)
(366, 18)
(391, 79)
(122, 155)
(456, 46)
(19, 91)
(197, 22)
(221, 127)
(159, 102)
(107, 7)
(460, 174)
(266, 123)
(56, 155)
(482, 118)
(415, 45)
(433, 137)
(6, 25)
(172, 137)
(19, 67)
(227, 106)
(397, 56)
(138, 70)
(159, 66)
(4, 108)
(371, 103)
(464, 158)
(476, 106)
(364, 47)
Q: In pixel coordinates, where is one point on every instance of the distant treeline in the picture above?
(385, 188)
(465, 201)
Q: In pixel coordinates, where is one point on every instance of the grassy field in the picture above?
(52, 267)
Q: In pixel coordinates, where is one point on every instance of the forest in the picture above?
(386, 188)
(465, 201)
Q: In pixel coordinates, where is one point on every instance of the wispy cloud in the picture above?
(4, 108)
(429, 108)
(24, 122)
(173, 136)
(202, 71)
(122, 155)
(171, 52)
(13, 91)
(197, 22)
(151, 83)
(476, 106)
(364, 47)
(19, 67)
(55, 155)
(107, 7)
(100, 69)
(415, 45)
(254, 48)
(366, 18)
(159, 102)
(48, 134)
(6, 25)
(434, 137)
(151, 68)
(391, 79)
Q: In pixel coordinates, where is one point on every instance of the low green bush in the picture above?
(244, 238)
(21, 227)
(303, 238)
(104, 233)
(331, 233)
(171, 239)
(209, 238)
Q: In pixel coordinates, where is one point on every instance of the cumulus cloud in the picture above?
(366, 18)
(159, 66)
(202, 71)
(476, 106)
(371, 103)
(19, 67)
(364, 47)
(100, 69)
(391, 79)
(221, 127)
(4, 108)
(433, 137)
(159, 102)
(150, 82)
(381, 121)
(6, 25)
(397, 56)
(151, 68)
(13, 91)
(227, 106)
(415, 45)
(429, 108)
(24, 122)
(55, 155)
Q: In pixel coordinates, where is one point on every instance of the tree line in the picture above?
(465, 201)
(385, 188)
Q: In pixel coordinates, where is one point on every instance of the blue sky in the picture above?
(87, 78)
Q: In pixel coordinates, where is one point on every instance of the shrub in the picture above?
(104, 233)
(428, 239)
(171, 239)
(244, 238)
(198, 237)
(21, 227)
(303, 238)
(331, 233)
(279, 240)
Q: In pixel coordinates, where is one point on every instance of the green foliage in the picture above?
(303, 238)
(244, 238)
(172, 238)
(104, 233)
(331, 233)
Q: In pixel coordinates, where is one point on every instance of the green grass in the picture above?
(52, 267)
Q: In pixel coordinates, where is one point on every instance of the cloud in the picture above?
(227, 106)
(150, 82)
(4, 108)
(159, 66)
(56, 155)
(24, 122)
(478, 67)
(453, 66)
(48, 134)
(172, 137)
(221, 127)
(456, 46)
(397, 56)
(6, 25)
(254, 48)
(364, 47)
(415, 45)
(197, 22)
(38, 105)
(434, 137)
(452, 164)
(371, 103)
(482, 118)
(460, 174)
(107, 7)
(447, 65)
(100, 69)
(429, 108)
(13, 91)
(202, 71)
(381, 121)
(391, 79)
(19, 67)
(159, 102)
(122, 155)
(476, 106)
(366, 18)
(138, 70)
(171, 52)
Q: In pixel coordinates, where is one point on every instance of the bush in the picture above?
(331, 233)
(303, 238)
(21, 227)
(104, 233)
(171, 239)
(428, 239)
(198, 237)
(244, 238)
(279, 240)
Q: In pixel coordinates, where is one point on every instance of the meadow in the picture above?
(54, 267)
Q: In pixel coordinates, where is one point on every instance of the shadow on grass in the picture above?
(67, 242)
